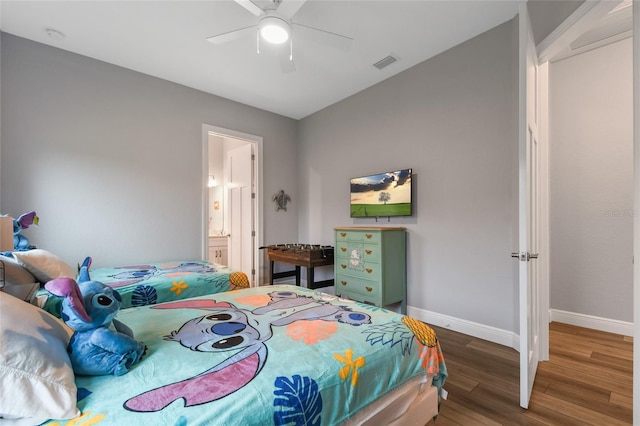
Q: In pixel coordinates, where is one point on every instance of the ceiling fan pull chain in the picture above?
(258, 41)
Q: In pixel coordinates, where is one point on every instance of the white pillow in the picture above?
(44, 265)
(36, 378)
(14, 273)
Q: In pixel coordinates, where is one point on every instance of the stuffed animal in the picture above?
(20, 242)
(100, 345)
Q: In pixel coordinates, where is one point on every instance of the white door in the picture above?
(528, 208)
(240, 183)
(235, 229)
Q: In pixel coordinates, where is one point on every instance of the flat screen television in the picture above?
(382, 195)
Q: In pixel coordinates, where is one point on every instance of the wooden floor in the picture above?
(587, 381)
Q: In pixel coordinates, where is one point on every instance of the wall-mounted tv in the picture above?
(382, 195)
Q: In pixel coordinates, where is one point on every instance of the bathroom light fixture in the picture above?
(274, 29)
(212, 181)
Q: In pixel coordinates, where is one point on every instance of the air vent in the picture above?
(385, 62)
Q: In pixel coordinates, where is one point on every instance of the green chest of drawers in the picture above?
(371, 265)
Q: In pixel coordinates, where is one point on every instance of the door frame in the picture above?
(258, 211)
(583, 18)
(544, 286)
(636, 215)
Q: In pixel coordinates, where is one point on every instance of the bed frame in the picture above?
(414, 403)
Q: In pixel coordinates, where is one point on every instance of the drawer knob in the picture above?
(369, 288)
(368, 235)
(343, 234)
(343, 282)
(368, 251)
(343, 249)
(343, 266)
(369, 270)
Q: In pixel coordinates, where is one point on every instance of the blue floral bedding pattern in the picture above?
(273, 355)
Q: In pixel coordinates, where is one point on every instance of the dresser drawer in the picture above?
(353, 285)
(366, 252)
(358, 236)
(363, 270)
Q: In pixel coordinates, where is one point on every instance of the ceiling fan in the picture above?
(275, 26)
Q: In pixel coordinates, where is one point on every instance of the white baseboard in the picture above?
(511, 339)
(589, 321)
(484, 332)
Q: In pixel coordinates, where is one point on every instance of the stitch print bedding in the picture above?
(153, 283)
(279, 354)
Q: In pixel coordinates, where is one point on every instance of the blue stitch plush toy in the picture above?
(100, 345)
(20, 242)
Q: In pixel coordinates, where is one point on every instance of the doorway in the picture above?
(593, 25)
(585, 204)
(590, 61)
(232, 212)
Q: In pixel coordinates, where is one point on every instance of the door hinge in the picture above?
(253, 233)
(253, 195)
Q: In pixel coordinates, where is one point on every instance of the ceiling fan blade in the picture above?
(232, 35)
(286, 63)
(251, 7)
(288, 8)
(328, 38)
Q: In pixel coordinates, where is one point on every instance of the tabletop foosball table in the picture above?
(308, 256)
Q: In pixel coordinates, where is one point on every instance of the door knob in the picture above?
(525, 257)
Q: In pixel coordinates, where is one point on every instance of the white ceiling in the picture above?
(167, 39)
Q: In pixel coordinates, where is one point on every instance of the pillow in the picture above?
(36, 378)
(14, 273)
(44, 265)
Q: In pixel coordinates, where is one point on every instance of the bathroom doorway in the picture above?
(231, 200)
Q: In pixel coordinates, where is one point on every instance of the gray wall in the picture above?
(591, 183)
(111, 159)
(452, 119)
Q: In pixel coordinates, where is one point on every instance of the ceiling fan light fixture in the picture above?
(274, 29)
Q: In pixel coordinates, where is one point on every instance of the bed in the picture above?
(153, 283)
(280, 354)
(138, 285)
